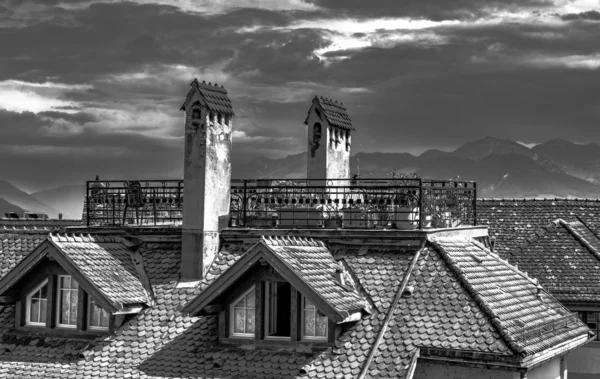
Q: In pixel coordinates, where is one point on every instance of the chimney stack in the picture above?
(329, 140)
(207, 175)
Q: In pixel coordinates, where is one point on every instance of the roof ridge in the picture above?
(210, 86)
(479, 300)
(81, 237)
(581, 239)
(291, 241)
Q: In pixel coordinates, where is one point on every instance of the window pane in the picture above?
(43, 310)
(43, 293)
(239, 321)
(309, 323)
(65, 282)
(241, 303)
(73, 306)
(250, 299)
(74, 284)
(103, 318)
(94, 315)
(250, 324)
(64, 307)
(321, 327)
(34, 312)
(308, 304)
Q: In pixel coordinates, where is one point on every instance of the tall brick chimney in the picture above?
(207, 175)
(329, 140)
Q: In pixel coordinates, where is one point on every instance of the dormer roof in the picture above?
(307, 264)
(333, 111)
(103, 266)
(210, 95)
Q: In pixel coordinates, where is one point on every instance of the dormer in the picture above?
(329, 139)
(283, 291)
(76, 285)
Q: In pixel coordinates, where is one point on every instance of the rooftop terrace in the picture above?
(304, 203)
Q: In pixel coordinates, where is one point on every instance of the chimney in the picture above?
(329, 140)
(207, 175)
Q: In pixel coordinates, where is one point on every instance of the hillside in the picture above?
(6, 207)
(581, 161)
(67, 200)
(23, 200)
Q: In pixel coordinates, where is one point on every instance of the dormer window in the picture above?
(314, 323)
(243, 315)
(68, 291)
(98, 318)
(37, 305)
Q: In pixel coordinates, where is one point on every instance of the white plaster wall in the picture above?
(331, 160)
(549, 370)
(432, 370)
(585, 360)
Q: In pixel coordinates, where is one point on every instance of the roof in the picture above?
(512, 221)
(334, 112)
(47, 225)
(565, 257)
(447, 312)
(16, 244)
(214, 97)
(105, 264)
(306, 263)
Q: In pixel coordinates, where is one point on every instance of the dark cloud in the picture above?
(430, 9)
(436, 87)
(589, 15)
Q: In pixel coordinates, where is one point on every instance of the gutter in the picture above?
(393, 306)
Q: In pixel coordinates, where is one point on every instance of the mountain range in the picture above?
(501, 168)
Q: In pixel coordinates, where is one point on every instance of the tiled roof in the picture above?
(565, 257)
(48, 225)
(106, 262)
(215, 97)
(160, 342)
(314, 264)
(334, 112)
(307, 264)
(512, 221)
(16, 244)
(506, 296)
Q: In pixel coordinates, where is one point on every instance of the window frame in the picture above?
(231, 307)
(88, 321)
(28, 305)
(267, 313)
(58, 301)
(304, 337)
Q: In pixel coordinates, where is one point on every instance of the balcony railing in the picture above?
(355, 203)
(135, 202)
(528, 333)
(352, 203)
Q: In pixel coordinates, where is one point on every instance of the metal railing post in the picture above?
(245, 201)
(87, 202)
(474, 203)
(420, 204)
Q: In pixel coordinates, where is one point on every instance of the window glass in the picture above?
(314, 323)
(592, 319)
(243, 314)
(97, 317)
(68, 291)
(37, 302)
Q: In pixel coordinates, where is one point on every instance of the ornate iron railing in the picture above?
(255, 203)
(353, 203)
(134, 202)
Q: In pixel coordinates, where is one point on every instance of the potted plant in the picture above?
(332, 217)
(405, 195)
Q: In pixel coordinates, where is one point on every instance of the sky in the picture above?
(94, 87)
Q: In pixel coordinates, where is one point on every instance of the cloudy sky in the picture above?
(94, 86)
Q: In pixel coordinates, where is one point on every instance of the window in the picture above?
(68, 291)
(278, 310)
(243, 315)
(592, 319)
(314, 323)
(97, 317)
(37, 302)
